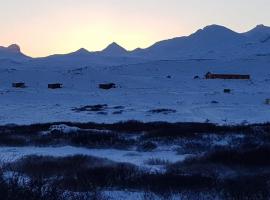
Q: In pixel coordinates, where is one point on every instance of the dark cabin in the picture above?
(107, 86)
(18, 85)
(227, 91)
(55, 85)
(209, 75)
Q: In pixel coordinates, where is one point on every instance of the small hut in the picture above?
(227, 91)
(55, 85)
(267, 101)
(18, 85)
(209, 75)
(107, 86)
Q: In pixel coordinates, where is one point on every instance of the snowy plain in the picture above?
(140, 88)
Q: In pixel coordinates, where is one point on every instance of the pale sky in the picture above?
(44, 27)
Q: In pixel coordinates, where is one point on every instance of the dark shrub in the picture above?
(147, 146)
(162, 111)
(250, 157)
(247, 187)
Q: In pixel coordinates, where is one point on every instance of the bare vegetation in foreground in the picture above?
(237, 169)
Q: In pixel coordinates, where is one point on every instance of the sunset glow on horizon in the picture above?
(45, 27)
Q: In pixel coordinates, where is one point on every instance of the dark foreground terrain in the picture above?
(224, 162)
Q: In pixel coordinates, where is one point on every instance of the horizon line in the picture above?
(130, 50)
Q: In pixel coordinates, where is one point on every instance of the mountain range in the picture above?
(211, 42)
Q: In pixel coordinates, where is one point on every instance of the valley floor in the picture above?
(152, 91)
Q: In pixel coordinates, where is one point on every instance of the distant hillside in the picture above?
(13, 53)
(211, 42)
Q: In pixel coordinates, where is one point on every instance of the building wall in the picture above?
(227, 76)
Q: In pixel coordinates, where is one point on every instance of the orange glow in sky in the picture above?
(44, 27)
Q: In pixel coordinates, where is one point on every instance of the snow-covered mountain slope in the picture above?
(211, 42)
(110, 56)
(205, 41)
(12, 53)
(260, 33)
(114, 50)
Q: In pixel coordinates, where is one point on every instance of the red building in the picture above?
(209, 75)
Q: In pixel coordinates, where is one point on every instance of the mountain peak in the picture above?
(261, 28)
(214, 31)
(82, 51)
(114, 49)
(14, 48)
(259, 33)
(113, 44)
(215, 35)
(214, 28)
(12, 52)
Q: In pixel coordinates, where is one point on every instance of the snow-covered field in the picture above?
(140, 88)
(11, 154)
